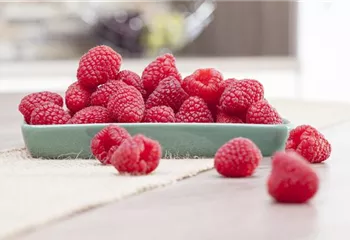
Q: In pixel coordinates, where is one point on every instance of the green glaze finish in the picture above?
(177, 139)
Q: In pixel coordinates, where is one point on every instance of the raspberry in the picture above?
(309, 143)
(106, 141)
(109, 154)
(132, 79)
(291, 180)
(168, 93)
(29, 102)
(126, 105)
(77, 97)
(299, 133)
(97, 66)
(160, 114)
(92, 114)
(226, 83)
(204, 83)
(194, 109)
(222, 117)
(263, 113)
(160, 68)
(238, 96)
(137, 156)
(49, 113)
(101, 96)
(239, 157)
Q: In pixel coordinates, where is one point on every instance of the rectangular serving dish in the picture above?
(178, 140)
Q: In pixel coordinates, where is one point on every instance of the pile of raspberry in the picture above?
(103, 93)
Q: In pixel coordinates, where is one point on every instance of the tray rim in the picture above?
(286, 123)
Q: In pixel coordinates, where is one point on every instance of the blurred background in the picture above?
(45, 30)
(290, 46)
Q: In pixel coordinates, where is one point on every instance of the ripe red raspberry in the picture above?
(238, 96)
(194, 109)
(109, 154)
(137, 156)
(291, 180)
(226, 83)
(263, 113)
(92, 114)
(309, 143)
(77, 97)
(49, 113)
(204, 83)
(132, 79)
(239, 157)
(97, 66)
(299, 133)
(162, 67)
(126, 105)
(168, 93)
(222, 117)
(101, 96)
(29, 102)
(106, 141)
(161, 114)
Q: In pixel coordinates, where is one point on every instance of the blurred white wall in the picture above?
(324, 49)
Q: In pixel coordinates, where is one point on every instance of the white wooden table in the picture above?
(210, 207)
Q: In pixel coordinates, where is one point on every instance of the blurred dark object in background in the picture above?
(138, 33)
(248, 28)
(123, 32)
(65, 30)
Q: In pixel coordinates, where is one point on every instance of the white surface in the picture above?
(35, 191)
(323, 49)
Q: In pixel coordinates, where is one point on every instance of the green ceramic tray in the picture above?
(177, 139)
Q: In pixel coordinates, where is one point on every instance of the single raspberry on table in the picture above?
(204, 83)
(162, 67)
(222, 117)
(77, 97)
(299, 133)
(168, 93)
(138, 155)
(49, 113)
(109, 154)
(238, 96)
(97, 66)
(30, 101)
(194, 109)
(309, 143)
(239, 157)
(92, 114)
(101, 96)
(159, 114)
(126, 105)
(263, 113)
(132, 79)
(106, 141)
(291, 180)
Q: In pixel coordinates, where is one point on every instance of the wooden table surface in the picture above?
(208, 206)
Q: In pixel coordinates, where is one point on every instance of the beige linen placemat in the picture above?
(35, 191)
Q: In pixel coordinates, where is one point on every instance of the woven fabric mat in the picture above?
(35, 191)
